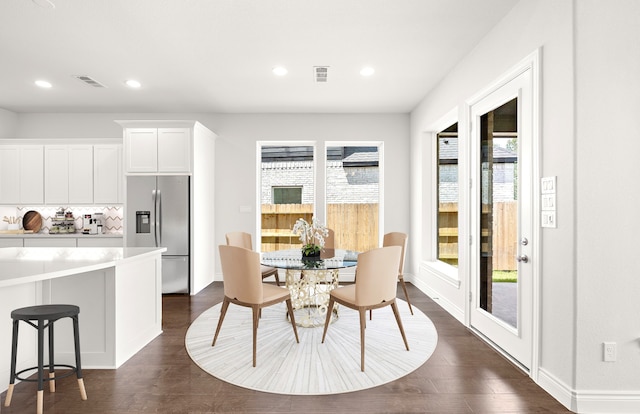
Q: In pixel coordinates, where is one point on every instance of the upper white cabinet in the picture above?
(158, 150)
(31, 174)
(21, 174)
(68, 174)
(107, 174)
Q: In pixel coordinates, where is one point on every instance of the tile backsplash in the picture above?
(112, 216)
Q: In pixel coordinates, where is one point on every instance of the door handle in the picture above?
(523, 258)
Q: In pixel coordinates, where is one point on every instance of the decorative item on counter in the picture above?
(62, 222)
(13, 222)
(311, 235)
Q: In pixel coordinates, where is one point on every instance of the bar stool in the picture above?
(45, 315)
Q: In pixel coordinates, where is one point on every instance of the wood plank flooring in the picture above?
(462, 376)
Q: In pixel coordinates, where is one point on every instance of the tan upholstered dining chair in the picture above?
(399, 239)
(243, 286)
(375, 288)
(242, 239)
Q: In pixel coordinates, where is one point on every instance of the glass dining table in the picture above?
(310, 280)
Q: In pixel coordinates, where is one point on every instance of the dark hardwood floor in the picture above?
(462, 376)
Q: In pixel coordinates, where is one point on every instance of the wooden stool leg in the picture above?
(40, 401)
(76, 340)
(7, 399)
(52, 374)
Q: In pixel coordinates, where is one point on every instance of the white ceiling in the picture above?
(217, 55)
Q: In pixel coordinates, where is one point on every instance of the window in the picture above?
(353, 195)
(287, 195)
(448, 195)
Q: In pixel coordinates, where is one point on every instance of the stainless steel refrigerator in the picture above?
(157, 215)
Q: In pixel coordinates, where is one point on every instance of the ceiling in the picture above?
(218, 55)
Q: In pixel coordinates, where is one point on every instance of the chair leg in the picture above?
(394, 306)
(76, 340)
(328, 320)
(406, 295)
(256, 317)
(14, 356)
(363, 322)
(223, 312)
(40, 398)
(293, 319)
(52, 374)
(277, 278)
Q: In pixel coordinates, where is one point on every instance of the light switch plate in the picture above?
(548, 185)
(548, 219)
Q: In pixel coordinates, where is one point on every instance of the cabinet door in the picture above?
(50, 242)
(9, 176)
(141, 150)
(106, 174)
(174, 150)
(100, 242)
(12, 242)
(81, 174)
(31, 174)
(56, 174)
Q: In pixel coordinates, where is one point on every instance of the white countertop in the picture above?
(78, 235)
(31, 264)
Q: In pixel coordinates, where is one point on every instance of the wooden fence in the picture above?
(503, 245)
(355, 225)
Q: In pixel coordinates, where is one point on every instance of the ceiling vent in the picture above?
(320, 74)
(89, 81)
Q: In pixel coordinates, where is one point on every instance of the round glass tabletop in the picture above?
(292, 259)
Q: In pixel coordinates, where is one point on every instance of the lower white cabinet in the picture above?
(100, 242)
(12, 242)
(50, 242)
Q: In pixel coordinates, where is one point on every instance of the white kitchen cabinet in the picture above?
(21, 174)
(12, 242)
(9, 174)
(107, 174)
(56, 174)
(68, 174)
(31, 174)
(50, 241)
(100, 242)
(80, 174)
(158, 150)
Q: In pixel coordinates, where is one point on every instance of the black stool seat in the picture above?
(45, 312)
(43, 317)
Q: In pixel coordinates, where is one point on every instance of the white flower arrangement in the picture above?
(311, 235)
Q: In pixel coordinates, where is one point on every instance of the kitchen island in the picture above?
(118, 291)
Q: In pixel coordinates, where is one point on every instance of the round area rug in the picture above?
(310, 367)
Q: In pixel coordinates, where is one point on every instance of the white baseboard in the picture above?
(447, 305)
(592, 401)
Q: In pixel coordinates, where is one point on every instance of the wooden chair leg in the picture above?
(363, 321)
(277, 278)
(394, 306)
(293, 319)
(328, 319)
(256, 318)
(223, 312)
(406, 295)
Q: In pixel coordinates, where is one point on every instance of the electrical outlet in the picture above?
(609, 349)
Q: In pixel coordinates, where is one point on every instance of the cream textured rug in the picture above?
(310, 367)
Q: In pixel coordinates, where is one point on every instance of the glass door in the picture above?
(501, 286)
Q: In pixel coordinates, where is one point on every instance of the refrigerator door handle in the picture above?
(154, 193)
(159, 218)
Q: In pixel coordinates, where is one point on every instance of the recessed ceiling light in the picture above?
(43, 84)
(132, 83)
(280, 71)
(367, 71)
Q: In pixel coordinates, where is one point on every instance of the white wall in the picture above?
(607, 218)
(589, 284)
(8, 121)
(235, 156)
